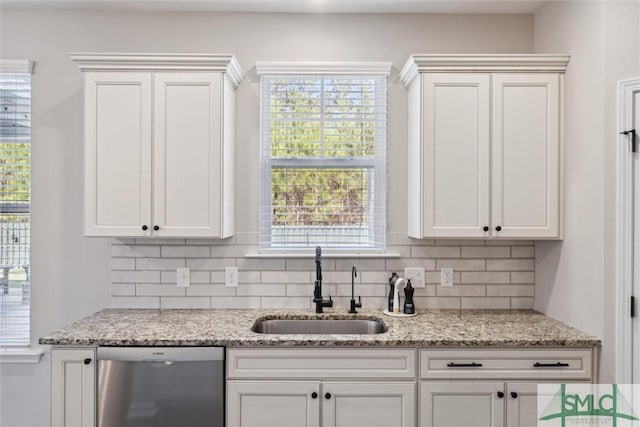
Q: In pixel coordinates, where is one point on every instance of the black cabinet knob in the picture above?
(144, 227)
(498, 228)
(155, 227)
(500, 394)
(87, 361)
(327, 395)
(314, 395)
(514, 395)
(485, 228)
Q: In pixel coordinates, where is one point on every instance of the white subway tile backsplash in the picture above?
(487, 274)
(118, 276)
(286, 302)
(258, 289)
(486, 252)
(135, 302)
(435, 252)
(286, 277)
(235, 302)
(159, 263)
(210, 290)
(134, 251)
(185, 302)
(153, 289)
(510, 264)
(210, 263)
(485, 303)
(185, 251)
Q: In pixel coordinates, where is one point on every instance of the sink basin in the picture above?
(318, 326)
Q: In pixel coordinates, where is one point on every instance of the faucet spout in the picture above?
(317, 289)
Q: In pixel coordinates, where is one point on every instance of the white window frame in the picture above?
(296, 69)
(19, 354)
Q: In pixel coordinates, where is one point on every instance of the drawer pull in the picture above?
(464, 365)
(550, 365)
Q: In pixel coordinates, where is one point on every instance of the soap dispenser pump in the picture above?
(409, 308)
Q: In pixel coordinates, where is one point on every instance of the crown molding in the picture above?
(224, 63)
(481, 63)
(16, 66)
(309, 68)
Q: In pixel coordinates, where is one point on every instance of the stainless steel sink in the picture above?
(318, 326)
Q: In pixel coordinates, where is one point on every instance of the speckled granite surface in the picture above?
(144, 327)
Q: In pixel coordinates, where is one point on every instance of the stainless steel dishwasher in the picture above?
(160, 386)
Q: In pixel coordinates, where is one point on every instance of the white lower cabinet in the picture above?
(522, 404)
(315, 403)
(461, 404)
(73, 387)
(273, 403)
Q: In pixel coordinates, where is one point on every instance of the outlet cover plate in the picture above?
(183, 277)
(231, 277)
(446, 277)
(416, 275)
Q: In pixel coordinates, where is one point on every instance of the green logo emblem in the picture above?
(564, 405)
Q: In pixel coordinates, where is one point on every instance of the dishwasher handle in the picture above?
(161, 354)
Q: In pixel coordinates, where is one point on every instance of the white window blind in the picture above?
(323, 158)
(15, 200)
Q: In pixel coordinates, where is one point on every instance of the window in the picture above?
(15, 200)
(323, 158)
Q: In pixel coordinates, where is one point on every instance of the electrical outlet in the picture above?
(231, 277)
(183, 277)
(416, 275)
(446, 277)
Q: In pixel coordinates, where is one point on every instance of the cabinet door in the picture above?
(456, 155)
(522, 404)
(461, 404)
(73, 388)
(526, 155)
(188, 169)
(368, 404)
(273, 404)
(117, 154)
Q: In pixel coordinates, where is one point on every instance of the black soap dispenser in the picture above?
(392, 282)
(409, 308)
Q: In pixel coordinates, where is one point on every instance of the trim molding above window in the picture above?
(323, 156)
(16, 66)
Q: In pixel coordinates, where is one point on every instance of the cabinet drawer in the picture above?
(321, 363)
(555, 364)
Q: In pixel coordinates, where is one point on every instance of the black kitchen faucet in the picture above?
(317, 290)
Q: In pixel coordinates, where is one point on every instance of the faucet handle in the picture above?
(359, 304)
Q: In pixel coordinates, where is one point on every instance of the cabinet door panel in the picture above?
(187, 152)
(117, 154)
(456, 154)
(73, 385)
(273, 404)
(522, 410)
(368, 405)
(526, 155)
(461, 404)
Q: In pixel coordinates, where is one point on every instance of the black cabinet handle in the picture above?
(327, 395)
(144, 227)
(87, 361)
(464, 365)
(485, 228)
(314, 395)
(500, 394)
(550, 365)
(155, 227)
(514, 395)
(498, 228)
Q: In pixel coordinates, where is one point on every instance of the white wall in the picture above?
(70, 272)
(575, 277)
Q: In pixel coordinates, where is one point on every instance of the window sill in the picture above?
(328, 255)
(20, 355)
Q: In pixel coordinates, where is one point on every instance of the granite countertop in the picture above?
(172, 327)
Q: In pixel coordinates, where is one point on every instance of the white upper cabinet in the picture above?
(159, 144)
(485, 146)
